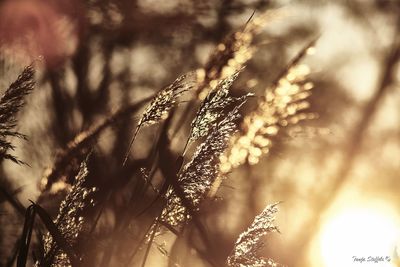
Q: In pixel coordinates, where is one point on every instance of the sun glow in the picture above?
(365, 235)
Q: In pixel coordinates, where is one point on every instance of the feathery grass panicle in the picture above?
(163, 102)
(69, 221)
(11, 102)
(244, 253)
(283, 105)
(213, 108)
(232, 53)
(199, 174)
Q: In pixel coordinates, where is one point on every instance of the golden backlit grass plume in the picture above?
(159, 108)
(217, 120)
(69, 221)
(213, 108)
(244, 253)
(11, 102)
(283, 104)
(199, 174)
(232, 53)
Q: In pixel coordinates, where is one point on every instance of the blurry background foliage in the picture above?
(105, 54)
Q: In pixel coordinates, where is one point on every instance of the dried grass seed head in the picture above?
(244, 253)
(11, 102)
(283, 105)
(165, 100)
(69, 220)
(199, 174)
(214, 107)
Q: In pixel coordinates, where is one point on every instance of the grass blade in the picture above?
(26, 236)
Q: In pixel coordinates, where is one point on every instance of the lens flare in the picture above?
(361, 236)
